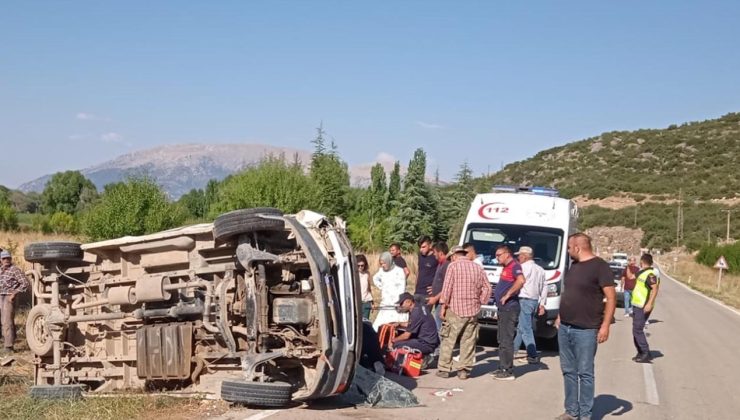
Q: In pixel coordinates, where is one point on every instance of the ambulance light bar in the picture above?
(546, 191)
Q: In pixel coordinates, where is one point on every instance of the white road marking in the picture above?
(729, 308)
(262, 415)
(651, 389)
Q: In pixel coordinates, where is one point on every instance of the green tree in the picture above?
(394, 184)
(64, 190)
(211, 193)
(272, 183)
(195, 203)
(330, 177)
(60, 222)
(415, 210)
(368, 218)
(456, 200)
(136, 206)
(8, 217)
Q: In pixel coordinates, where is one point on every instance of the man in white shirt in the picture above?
(532, 297)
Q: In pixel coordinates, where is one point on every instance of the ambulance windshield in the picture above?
(547, 243)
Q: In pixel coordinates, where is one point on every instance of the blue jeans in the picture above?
(628, 301)
(367, 307)
(577, 353)
(437, 319)
(525, 331)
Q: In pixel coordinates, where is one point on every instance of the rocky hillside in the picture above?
(700, 158)
(607, 240)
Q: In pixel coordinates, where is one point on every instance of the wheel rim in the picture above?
(40, 332)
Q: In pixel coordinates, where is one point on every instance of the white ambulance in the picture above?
(523, 216)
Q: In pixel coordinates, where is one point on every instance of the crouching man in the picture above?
(420, 331)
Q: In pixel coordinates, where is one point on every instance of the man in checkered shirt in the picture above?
(12, 282)
(465, 289)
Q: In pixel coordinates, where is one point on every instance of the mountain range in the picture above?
(179, 168)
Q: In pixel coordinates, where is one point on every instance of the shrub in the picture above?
(133, 207)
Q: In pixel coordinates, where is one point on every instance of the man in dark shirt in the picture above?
(440, 251)
(395, 250)
(427, 267)
(583, 323)
(506, 295)
(421, 331)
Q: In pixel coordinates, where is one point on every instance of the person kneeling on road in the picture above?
(420, 331)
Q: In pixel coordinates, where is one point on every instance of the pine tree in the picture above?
(457, 200)
(329, 176)
(394, 184)
(415, 209)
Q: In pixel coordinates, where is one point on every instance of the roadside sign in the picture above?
(721, 263)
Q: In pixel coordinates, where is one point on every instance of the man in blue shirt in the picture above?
(507, 304)
(420, 331)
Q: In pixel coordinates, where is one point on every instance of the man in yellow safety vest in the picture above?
(643, 302)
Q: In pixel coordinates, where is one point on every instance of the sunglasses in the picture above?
(501, 253)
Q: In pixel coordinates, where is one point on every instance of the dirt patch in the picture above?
(607, 240)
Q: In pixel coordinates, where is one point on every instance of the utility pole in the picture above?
(635, 224)
(727, 239)
(679, 219)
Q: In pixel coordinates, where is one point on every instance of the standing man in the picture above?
(12, 282)
(472, 254)
(465, 289)
(395, 250)
(427, 268)
(506, 296)
(441, 251)
(643, 300)
(629, 275)
(583, 323)
(532, 299)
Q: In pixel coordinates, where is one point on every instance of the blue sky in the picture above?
(487, 82)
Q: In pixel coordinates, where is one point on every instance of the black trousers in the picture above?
(639, 319)
(507, 323)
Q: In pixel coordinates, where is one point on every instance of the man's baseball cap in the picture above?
(455, 249)
(5, 254)
(403, 296)
(524, 250)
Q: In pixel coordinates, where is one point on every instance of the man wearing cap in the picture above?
(465, 289)
(12, 282)
(421, 331)
(532, 297)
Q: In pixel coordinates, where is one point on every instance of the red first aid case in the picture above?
(404, 361)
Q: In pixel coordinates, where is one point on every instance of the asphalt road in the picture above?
(695, 342)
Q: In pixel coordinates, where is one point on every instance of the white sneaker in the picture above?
(456, 358)
(626, 314)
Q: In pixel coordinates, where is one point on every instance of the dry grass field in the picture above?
(702, 278)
